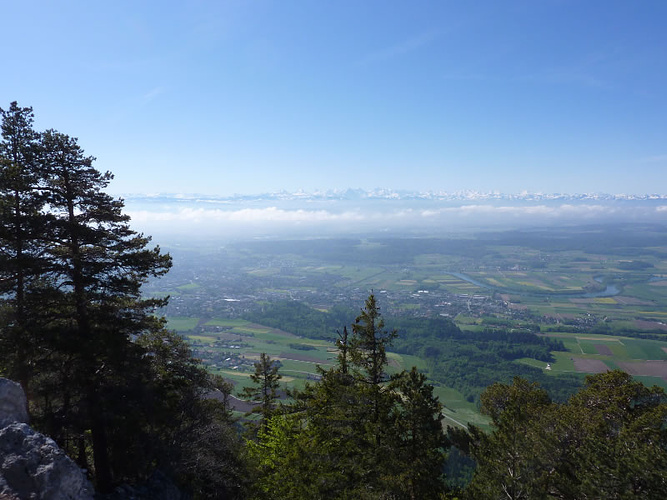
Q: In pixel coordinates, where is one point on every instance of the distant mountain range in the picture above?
(390, 194)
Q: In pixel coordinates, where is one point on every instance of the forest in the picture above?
(124, 396)
(466, 361)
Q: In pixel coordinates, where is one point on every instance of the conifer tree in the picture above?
(607, 441)
(355, 433)
(99, 264)
(510, 460)
(22, 222)
(119, 392)
(343, 346)
(369, 343)
(264, 393)
(419, 450)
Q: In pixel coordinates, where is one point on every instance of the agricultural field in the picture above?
(587, 354)
(457, 411)
(230, 347)
(601, 290)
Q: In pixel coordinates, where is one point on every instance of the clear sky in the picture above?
(223, 97)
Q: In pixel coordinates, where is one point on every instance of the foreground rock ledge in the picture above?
(32, 466)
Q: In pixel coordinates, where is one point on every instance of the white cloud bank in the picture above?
(251, 215)
(340, 217)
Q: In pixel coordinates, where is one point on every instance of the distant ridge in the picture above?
(390, 194)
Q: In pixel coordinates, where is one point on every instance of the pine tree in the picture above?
(343, 346)
(419, 450)
(264, 393)
(368, 353)
(608, 441)
(108, 381)
(369, 343)
(510, 460)
(355, 433)
(22, 222)
(99, 265)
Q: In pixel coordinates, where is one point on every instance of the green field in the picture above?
(533, 280)
(299, 358)
(457, 411)
(189, 287)
(182, 324)
(647, 358)
(242, 342)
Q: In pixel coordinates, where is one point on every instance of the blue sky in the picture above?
(223, 97)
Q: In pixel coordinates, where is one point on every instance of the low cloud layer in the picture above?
(269, 214)
(342, 217)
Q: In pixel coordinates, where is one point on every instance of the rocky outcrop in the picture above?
(32, 466)
(13, 407)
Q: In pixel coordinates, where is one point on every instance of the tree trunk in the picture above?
(103, 478)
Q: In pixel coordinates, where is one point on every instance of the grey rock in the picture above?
(32, 466)
(13, 407)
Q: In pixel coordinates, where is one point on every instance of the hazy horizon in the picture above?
(168, 217)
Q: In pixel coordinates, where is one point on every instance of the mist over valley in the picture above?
(359, 212)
